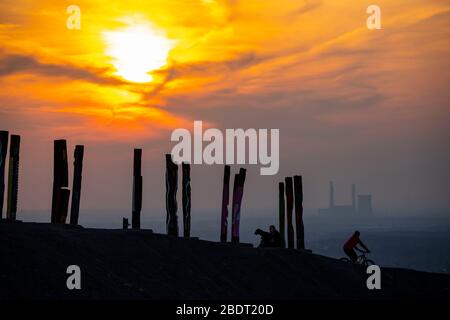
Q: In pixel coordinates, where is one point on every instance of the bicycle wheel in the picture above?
(344, 259)
(369, 262)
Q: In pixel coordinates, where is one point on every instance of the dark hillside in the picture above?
(129, 264)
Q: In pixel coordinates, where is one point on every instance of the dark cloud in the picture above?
(202, 68)
(308, 6)
(15, 64)
(242, 61)
(304, 8)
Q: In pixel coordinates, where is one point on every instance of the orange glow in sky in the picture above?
(132, 58)
(137, 50)
(368, 105)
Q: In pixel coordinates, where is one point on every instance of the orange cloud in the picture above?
(303, 52)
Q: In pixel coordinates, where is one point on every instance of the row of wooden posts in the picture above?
(61, 193)
(171, 198)
(171, 195)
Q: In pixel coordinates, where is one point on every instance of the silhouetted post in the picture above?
(64, 204)
(289, 208)
(13, 177)
(137, 190)
(225, 201)
(60, 180)
(299, 227)
(125, 223)
(282, 212)
(238, 192)
(171, 196)
(186, 198)
(3, 150)
(76, 188)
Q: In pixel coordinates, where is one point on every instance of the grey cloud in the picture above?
(198, 69)
(15, 63)
(308, 6)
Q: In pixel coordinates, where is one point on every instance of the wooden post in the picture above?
(225, 202)
(238, 192)
(289, 208)
(13, 177)
(64, 204)
(282, 213)
(186, 199)
(137, 190)
(171, 196)
(299, 227)
(76, 188)
(3, 150)
(60, 179)
(125, 223)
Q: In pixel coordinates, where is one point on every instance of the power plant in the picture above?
(363, 208)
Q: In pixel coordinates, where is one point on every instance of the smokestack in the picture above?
(365, 204)
(354, 197)
(331, 194)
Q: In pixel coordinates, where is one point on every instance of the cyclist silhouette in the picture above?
(351, 245)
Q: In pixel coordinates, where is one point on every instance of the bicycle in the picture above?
(361, 260)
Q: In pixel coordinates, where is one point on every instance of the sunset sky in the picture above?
(352, 104)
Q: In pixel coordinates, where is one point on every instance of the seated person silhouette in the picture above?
(269, 239)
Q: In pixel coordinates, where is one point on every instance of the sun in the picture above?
(137, 50)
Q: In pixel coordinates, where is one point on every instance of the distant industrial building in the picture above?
(364, 204)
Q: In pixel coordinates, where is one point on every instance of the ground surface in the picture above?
(142, 265)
